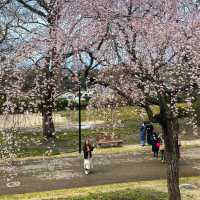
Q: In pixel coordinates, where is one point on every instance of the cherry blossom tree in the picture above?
(147, 51)
(43, 49)
(10, 76)
(152, 57)
(54, 31)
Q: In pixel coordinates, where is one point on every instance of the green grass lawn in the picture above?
(142, 190)
(123, 113)
(124, 195)
(34, 144)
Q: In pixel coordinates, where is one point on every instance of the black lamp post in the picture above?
(79, 115)
(91, 80)
(76, 80)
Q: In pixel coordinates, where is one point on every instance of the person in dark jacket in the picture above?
(149, 132)
(143, 134)
(87, 151)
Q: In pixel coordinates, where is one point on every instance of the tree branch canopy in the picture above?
(32, 9)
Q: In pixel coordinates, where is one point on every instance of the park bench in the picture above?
(107, 141)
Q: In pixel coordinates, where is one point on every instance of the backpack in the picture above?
(158, 144)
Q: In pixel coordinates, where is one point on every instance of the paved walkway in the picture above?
(59, 173)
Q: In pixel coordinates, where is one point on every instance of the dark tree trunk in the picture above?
(169, 123)
(47, 112)
(171, 148)
(47, 120)
(149, 112)
(50, 72)
(48, 126)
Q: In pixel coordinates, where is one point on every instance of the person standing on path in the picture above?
(179, 146)
(143, 134)
(149, 132)
(87, 150)
(162, 149)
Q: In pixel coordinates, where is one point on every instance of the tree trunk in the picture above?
(169, 123)
(171, 150)
(149, 112)
(50, 73)
(47, 124)
(47, 115)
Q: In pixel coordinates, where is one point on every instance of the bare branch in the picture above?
(32, 9)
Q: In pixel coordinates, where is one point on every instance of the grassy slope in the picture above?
(33, 144)
(144, 190)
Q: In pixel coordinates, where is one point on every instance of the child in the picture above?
(87, 150)
(155, 145)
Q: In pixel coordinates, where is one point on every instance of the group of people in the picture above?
(147, 134)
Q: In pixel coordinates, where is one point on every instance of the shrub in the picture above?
(196, 107)
(61, 104)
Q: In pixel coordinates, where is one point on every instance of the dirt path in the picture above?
(57, 173)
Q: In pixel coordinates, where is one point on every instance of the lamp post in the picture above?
(79, 115)
(76, 80)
